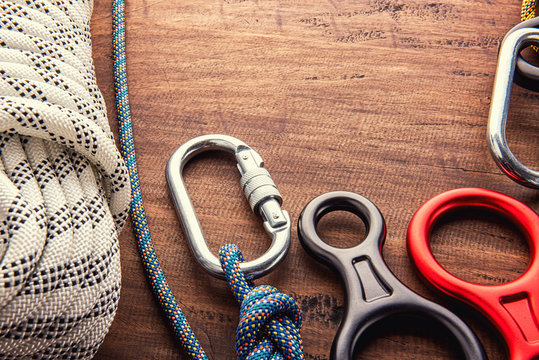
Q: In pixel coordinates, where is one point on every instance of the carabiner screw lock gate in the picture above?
(259, 189)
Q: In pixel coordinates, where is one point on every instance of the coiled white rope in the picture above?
(64, 190)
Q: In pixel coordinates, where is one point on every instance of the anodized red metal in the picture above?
(512, 307)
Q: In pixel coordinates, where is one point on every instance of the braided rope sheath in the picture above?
(528, 10)
(150, 262)
(64, 190)
(270, 321)
(263, 308)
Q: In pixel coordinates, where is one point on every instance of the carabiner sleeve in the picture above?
(499, 108)
(259, 189)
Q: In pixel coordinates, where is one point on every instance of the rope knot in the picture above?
(270, 321)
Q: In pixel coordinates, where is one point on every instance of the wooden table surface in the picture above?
(386, 98)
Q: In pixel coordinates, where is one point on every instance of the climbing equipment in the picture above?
(527, 10)
(149, 259)
(64, 189)
(513, 67)
(261, 306)
(270, 322)
(259, 189)
(499, 108)
(373, 293)
(511, 307)
(526, 75)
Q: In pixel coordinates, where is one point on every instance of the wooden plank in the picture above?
(385, 98)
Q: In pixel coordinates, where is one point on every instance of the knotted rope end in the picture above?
(270, 321)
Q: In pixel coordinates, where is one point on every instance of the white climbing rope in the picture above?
(64, 190)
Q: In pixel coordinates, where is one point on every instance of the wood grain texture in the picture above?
(386, 98)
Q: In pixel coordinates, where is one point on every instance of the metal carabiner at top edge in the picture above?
(526, 75)
(499, 108)
(259, 189)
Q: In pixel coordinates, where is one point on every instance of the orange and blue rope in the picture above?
(275, 316)
(270, 321)
(150, 262)
(528, 10)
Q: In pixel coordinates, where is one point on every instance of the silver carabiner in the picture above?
(259, 189)
(499, 108)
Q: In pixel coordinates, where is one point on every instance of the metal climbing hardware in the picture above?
(499, 108)
(259, 189)
(526, 74)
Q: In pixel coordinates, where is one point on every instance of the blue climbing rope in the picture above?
(153, 270)
(270, 321)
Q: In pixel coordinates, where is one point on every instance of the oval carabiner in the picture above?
(499, 108)
(259, 189)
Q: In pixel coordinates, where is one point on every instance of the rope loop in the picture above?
(270, 321)
(64, 188)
